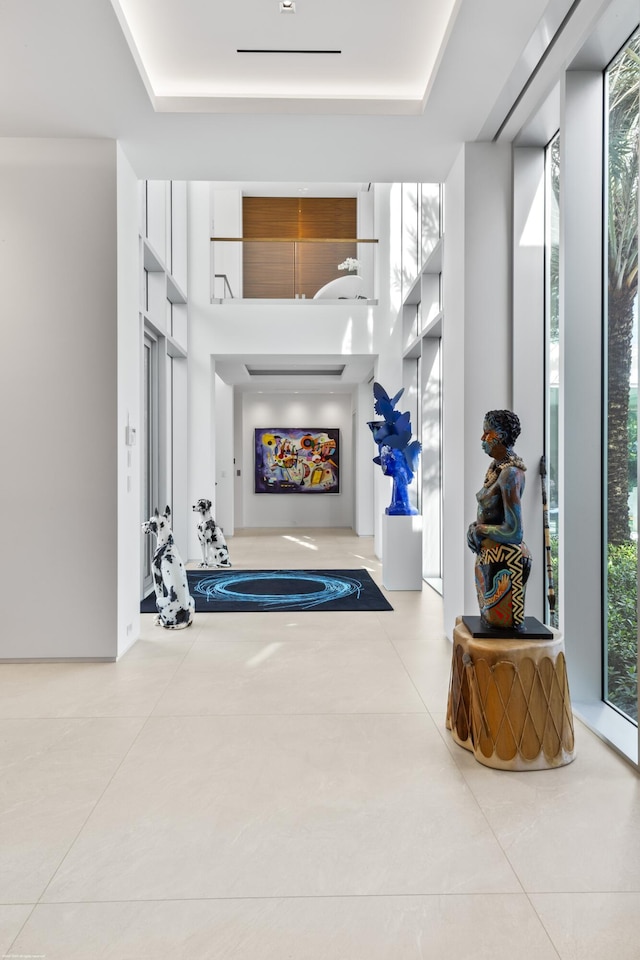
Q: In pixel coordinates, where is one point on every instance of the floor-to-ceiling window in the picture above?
(586, 141)
(411, 381)
(552, 419)
(621, 381)
(417, 279)
(431, 435)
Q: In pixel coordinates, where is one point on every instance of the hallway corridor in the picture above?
(266, 786)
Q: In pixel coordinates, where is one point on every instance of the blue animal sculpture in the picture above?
(397, 452)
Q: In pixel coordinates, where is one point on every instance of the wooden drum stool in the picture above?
(509, 700)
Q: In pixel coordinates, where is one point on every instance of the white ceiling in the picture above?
(295, 373)
(67, 69)
(329, 50)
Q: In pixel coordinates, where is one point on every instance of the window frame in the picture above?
(575, 92)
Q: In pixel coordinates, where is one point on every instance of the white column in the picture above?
(528, 353)
(477, 345)
(129, 403)
(201, 369)
(224, 483)
(58, 394)
(581, 371)
(365, 450)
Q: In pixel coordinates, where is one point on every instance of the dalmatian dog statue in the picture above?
(215, 552)
(174, 603)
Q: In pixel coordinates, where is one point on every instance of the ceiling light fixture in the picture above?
(246, 50)
(287, 6)
(301, 371)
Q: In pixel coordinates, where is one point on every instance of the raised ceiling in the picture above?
(203, 55)
(72, 69)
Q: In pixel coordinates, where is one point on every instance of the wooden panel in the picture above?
(268, 268)
(268, 271)
(270, 217)
(333, 217)
(317, 264)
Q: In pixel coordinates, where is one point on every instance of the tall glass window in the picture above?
(411, 383)
(552, 271)
(621, 338)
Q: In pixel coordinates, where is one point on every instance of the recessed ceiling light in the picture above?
(287, 6)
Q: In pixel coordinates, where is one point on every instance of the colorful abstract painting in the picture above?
(296, 460)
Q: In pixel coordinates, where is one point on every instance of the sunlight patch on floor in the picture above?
(366, 563)
(309, 546)
(263, 655)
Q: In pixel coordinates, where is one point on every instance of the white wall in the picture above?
(283, 329)
(297, 410)
(367, 252)
(226, 221)
(178, 247)
(129, 392)
(59, 483)
(225, 467)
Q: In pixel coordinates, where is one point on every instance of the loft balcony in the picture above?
(269, 269)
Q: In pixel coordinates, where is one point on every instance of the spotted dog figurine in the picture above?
(174, 603)
(215, 552)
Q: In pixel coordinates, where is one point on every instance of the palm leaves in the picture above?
(624, 84)
(622, 280)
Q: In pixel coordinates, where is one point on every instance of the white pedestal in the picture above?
(402, 552)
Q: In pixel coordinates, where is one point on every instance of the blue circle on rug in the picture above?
(315, 588)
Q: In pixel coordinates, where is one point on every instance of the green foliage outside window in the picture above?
(622, 648)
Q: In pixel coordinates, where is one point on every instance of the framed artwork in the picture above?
(297, 460)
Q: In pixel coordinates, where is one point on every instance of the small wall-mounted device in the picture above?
(287, 6)
(130, 436)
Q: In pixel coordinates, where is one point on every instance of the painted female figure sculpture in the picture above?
(503, 561)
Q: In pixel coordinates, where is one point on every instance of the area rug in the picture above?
(228, 591)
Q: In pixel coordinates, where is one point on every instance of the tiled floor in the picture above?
(282, 786)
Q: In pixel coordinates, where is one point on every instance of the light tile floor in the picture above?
(273, 786)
